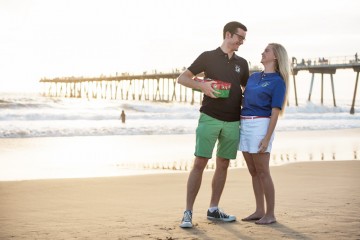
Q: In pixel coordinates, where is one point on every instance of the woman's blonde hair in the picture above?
(282, 67)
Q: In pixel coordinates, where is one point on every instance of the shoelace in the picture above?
(222, 214)
(187, 216)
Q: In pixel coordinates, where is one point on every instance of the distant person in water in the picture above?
(122, 116)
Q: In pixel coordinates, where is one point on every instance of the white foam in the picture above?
(36, 116)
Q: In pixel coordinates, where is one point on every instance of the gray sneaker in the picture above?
(221, 216)
(186, 221)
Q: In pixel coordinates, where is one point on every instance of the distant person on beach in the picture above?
(219, 117)
(122, 116)
(356, 57)
(264, 100)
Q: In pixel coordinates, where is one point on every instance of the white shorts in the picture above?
(252, 131)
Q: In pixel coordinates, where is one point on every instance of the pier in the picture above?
(163, 86)
(154, 86)
(326, 66)
(149, 87)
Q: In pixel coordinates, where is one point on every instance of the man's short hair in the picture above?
(232, 26)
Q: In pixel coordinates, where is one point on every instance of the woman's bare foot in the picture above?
(266, 220)
(253, 217)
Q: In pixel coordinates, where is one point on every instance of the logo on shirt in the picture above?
(237, 68)
(265, 84)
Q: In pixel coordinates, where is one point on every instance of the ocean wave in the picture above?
(96, 128)
(60, 128)
(36, 116)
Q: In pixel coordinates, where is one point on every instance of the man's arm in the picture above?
(186, 79)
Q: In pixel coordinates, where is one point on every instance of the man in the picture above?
(219, 117)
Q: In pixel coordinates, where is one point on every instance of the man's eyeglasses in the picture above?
(241, 38)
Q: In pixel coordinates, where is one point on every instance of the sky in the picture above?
(60, 38)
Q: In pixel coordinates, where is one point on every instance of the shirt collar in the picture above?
(220, 52)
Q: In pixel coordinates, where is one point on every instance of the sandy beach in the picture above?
(315, 200)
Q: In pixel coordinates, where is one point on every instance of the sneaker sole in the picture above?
(222, 219)
(186, 225)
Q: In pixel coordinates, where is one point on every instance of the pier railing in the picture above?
(340, 60)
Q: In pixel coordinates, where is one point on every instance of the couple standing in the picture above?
(264, 100)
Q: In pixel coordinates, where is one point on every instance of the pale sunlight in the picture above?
(89, 38)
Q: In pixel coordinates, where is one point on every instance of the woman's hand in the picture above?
(263, 145)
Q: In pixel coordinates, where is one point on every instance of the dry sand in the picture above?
(314, 200)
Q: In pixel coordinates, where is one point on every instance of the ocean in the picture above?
(43, 137)
(29, 115)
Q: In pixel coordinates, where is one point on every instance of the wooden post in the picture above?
(174, 91)
(322, 88)
(352, 110)
(333, 89)
(296, 100)
(311, 86)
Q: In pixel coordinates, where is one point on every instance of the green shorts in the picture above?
(210, 130)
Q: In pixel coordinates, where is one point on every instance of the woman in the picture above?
(264, 100)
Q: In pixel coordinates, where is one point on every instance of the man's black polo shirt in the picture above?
(216, 65)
